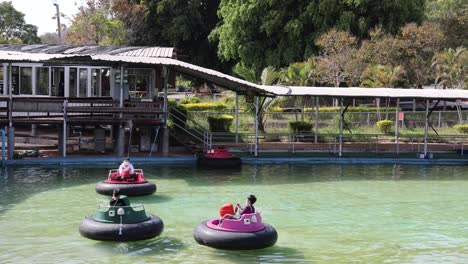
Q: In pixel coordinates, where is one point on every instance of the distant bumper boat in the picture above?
(247, 232)
(121, 223)
(218, 158)
(137, 186)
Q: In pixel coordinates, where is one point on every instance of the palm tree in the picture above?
(449, 67)
(269, 76)
(375, 76)
(299, 74)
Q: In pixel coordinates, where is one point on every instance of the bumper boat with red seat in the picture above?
(218, 158)
(247, 231)
(130, 186)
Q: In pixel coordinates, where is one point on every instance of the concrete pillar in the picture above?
(11, 142)
(61, 147)
(33, 130)
(121, 141)
(145, 139)
(165, 143)
(100, 140)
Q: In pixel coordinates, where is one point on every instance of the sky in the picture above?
(40, 12)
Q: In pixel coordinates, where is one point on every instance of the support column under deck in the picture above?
(61, 145)
(121, 141)
(11, 142)
(165, 143)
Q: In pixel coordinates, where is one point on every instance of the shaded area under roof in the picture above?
(152, 56)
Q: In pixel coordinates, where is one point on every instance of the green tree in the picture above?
(413, 49)
(269, 76)
(280, 32)
(185, 25)
(299, 74)
(13, 28)
(382, 76)
(452, 15)
(450, 69)
(96, 24)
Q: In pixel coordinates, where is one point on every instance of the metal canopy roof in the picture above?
(357, 92)
(149, 56)
(132, 51)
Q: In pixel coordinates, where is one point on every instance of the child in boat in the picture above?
(126, 171)
(249, 208)
(116, 199)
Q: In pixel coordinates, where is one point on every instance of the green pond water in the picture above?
(323, 213)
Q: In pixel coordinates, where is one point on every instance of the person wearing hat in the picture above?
(116, 199)
(249, 208)
(126, 170)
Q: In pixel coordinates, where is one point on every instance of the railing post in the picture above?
(64, 150)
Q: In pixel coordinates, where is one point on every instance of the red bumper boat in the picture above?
(218, 158)
(130, 186)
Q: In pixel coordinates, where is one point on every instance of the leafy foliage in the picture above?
(13, 28)
(382, 76)
(190, 100)
(450, 68)
(300, 126)
(220, 123)
(205, 106)
(462, 128)
(385, 126)
(95, 24)
(182, 24)
(276, 33)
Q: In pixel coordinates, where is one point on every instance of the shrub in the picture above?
(300, 126)
(220, 123)
(190, 100)
(463, 129)
(385, 126)
(205, 106)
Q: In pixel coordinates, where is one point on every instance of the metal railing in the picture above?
(190, 129)
(329, 143)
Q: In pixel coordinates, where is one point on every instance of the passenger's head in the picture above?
(126, 161)
(116, 192)
(252, 199)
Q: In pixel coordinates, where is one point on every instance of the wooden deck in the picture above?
(93, 111)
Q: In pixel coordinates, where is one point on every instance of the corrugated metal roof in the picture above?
(357, 92)
(149, 52)
(91, 50)
(224, 80)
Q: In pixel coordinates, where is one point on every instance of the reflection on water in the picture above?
(323, 213)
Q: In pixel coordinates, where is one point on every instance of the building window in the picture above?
(139, 82)
(83, 82)
(42, 81)
(105, 82)
(73, 82)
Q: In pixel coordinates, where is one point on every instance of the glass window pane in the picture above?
(42, 81)
(15, 79)
(1, 79)
(83, 82)
(73, 82)
(26, 81)
(105, 82)
(96, 81)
